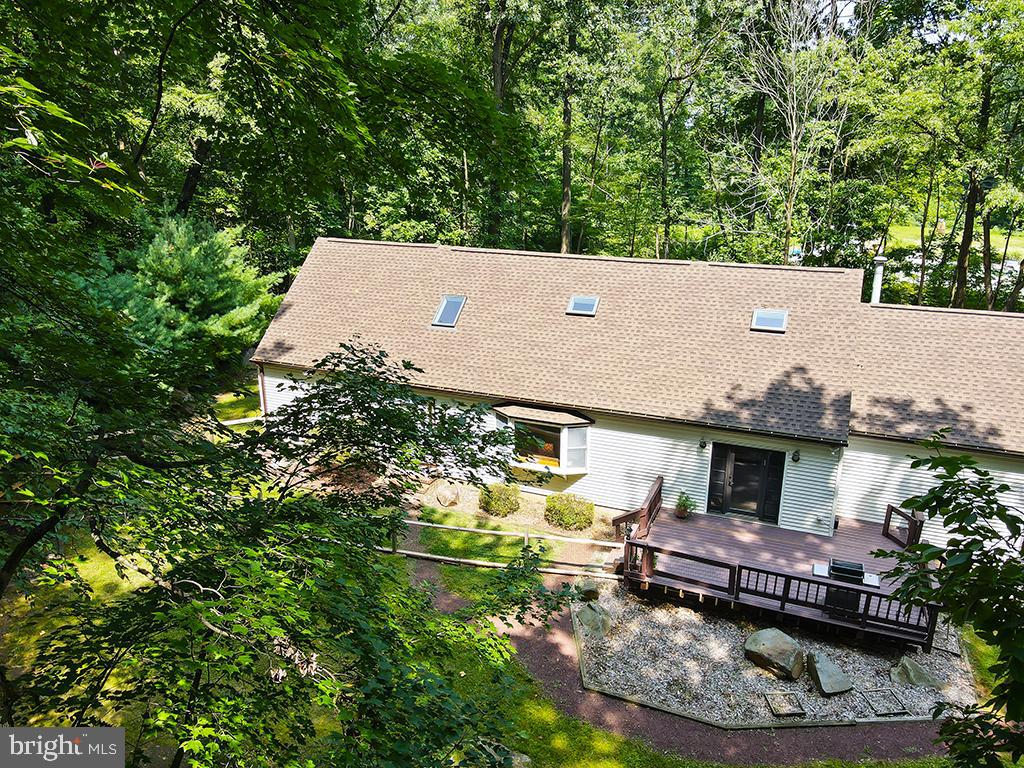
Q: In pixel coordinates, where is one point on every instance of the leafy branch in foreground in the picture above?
(980, 581)
(268, 628)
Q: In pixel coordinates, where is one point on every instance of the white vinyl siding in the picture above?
(876, 473)
(275, 380)
(625, 455)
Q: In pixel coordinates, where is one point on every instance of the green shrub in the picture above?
(569, 511)
(499, 499)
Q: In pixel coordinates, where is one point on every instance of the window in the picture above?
(448, 313)
(770, 320)
(576, 447)
(539, 444)
(583, 305)
(548, 447)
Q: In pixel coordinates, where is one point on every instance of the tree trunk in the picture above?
(1002, 262)
(501, 43)
(925, 245)
(1012, 299)
(974, 194)
(566, 246)
(963, 255)
(666, 215)
(986, 258)
(200, 154)
(755, 159)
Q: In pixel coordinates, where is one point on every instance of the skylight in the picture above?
(448, 312)
(770, 320)
(583, 305)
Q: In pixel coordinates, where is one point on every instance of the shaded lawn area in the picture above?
(909, 236)
(242, 403)
(466, 581)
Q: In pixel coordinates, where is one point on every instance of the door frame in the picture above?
(762, 490)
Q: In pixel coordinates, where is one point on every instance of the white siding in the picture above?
(626, 455)
(876, 473)
(274, 382)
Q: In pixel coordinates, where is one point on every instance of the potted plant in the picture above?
(685, 506)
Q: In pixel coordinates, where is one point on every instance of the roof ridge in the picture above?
(592, 256)
(947, 310)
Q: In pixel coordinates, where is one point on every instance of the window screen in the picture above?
(576, 447)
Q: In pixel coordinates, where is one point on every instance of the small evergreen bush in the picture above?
(569, 511)
(499, 499)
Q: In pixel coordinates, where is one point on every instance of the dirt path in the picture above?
(550, 657)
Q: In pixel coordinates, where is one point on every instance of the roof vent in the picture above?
(583, 305)
(770, 320)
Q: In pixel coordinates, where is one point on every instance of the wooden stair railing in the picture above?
(645, 513)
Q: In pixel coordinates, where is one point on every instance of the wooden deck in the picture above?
(735, 540)
(742, 562)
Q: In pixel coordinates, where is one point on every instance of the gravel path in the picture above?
(675, 657)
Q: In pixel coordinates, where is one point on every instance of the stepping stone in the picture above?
(589, 589)
(775, 651)
(828, 678)
(910, 672)
(784, 704)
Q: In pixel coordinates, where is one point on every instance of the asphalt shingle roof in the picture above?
(671, 340)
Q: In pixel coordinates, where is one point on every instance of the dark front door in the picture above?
(746, 481)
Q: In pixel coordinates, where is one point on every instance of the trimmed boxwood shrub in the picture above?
(569, 511)
(499, 499)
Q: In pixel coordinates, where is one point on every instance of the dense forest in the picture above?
(220, 592)
(821, 133)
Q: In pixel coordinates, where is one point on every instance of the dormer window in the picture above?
(770, 320)
(449, 310)
(583, 305)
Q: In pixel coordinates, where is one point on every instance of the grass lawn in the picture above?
(242, 403)
(909, 236)
(466, 581)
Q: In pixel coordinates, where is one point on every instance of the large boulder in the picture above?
(775, 651)
(595, 619)
(828, 678)
(910, 672)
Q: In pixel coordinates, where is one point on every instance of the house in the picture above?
(769, 394)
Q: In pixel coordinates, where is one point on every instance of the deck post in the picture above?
(785, 592)
(933, 620)
(647, 563)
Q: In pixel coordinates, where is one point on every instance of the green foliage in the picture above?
(982, 574)
(569, 511)
(685, 504)
(500, 499)
(190, 293)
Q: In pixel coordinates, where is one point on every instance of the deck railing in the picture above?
(646, 513)
(912, 530)
(839, 603)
